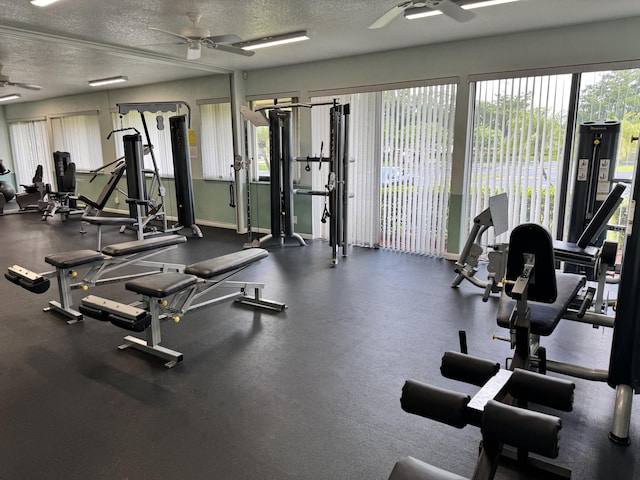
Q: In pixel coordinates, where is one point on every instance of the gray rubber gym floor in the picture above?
(309, 393)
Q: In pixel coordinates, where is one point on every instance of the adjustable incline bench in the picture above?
(169, 295)
(99, 266)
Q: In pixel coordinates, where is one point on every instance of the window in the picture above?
(401, 142)
(160, 139)
(30, 146)
(80, 136)
(217, 141)
(259, 144)
(519, 129)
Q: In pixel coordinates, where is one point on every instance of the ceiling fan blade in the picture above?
(186, 39)
(228, 48)
(387, 17)
(452, 10)
(224, 38)
(27, 86)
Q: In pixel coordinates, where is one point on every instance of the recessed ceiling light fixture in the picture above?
(107, 81)
(42, 3)
(273, 40)
(421, 12)
(13, 96)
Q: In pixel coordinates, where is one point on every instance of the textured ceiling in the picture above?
(64, 45)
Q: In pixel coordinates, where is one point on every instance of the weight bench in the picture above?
(109, 221)
(169, 295)
(99, 268)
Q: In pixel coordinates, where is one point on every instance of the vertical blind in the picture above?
(519, 127)
(402, 142)
(217, 141)
(160, 139)
(417, 145)
(364, 205)
(80, 136)
(30, 146)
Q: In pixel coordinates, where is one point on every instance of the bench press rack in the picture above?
(170, 295)
(99, 268)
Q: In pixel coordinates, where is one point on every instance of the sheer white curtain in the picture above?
(80, 136)
(519, 128)
(30, 147)
(160, 139)
(217, 141)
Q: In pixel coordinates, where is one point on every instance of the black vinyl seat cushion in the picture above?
(545, 316)
(161, 285)
(138, 246)
(226, 263)
(74, 258)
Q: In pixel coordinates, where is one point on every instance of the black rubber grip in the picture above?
(548, 391)
(467, 368)
(531, 431)
(435, 403)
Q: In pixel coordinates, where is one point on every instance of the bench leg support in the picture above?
(63, 307)
(152, 344)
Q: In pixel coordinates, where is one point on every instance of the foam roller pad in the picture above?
(533, 387)
(435, 403)
(532, 431)
(465, 368)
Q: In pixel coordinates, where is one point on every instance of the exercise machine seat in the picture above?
(410, 468)
(545, 316)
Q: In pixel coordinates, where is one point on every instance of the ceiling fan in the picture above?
(195, 36)
(447, 7)
(6, 82)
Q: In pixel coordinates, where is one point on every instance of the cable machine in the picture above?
(281, 174)
(143, 206)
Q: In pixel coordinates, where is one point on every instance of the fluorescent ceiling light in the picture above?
(421, 12)
(273, 40)
(107, 81)
(13, 96)
(42, 3)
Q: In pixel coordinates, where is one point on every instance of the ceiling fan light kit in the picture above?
(457, 10)
(273, 40)
(42, 3)
(108, 81)
(13, 96)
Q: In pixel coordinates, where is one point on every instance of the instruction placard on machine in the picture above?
(583, 170)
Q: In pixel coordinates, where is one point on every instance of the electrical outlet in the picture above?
(295, 219)
(116, 199)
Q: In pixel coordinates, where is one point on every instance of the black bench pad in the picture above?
(545, 316)
(109, 220)
(571, 252)
(226, 263)
(74, 258)
(161, 285)
(137, 246)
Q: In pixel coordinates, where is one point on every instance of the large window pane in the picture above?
(519, 127)
(80, 136)
(217, 141)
